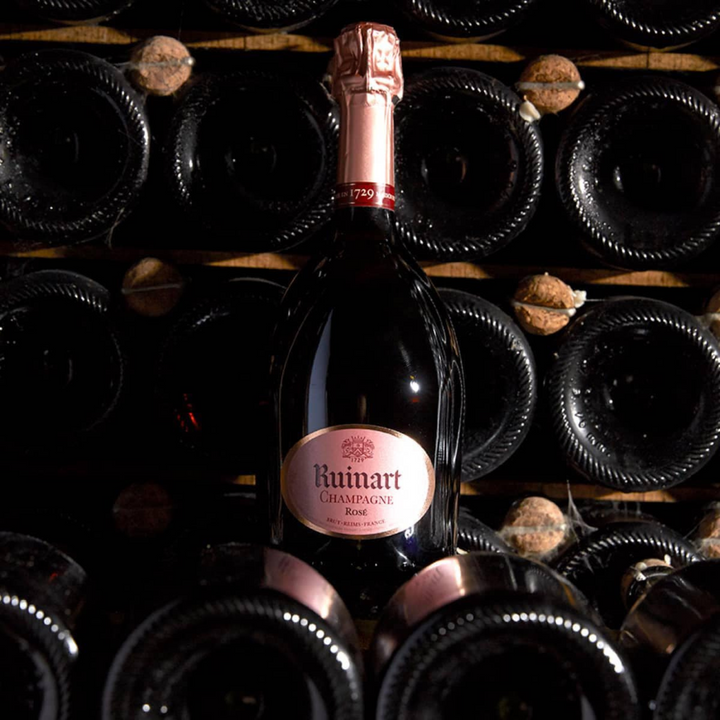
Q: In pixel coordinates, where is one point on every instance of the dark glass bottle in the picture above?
(74, 11)
(469, 168)
(637, 172)
(653, 24)
(75, 147)
(270, 15)
(498, 414)
(634, 395)
(62, 362)
(502, 635)
(212, 387)
(42, 592)
(466, 19)
(251, 158)
(265, 636)
(366, 376)
(597, 564)
(673, 633)
(473, 534)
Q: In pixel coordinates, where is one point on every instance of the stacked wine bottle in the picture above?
(389, 496)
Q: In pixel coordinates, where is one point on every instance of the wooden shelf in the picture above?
(292, 263)
(497, 487)
(430, 50)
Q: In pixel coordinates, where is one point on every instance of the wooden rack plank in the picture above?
(289, 262)
(433, 50)
(498, 487)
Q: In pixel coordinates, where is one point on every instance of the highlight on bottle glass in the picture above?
(454, 20)
(651, 24)
(74, 11)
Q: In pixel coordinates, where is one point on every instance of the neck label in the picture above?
(365, 194)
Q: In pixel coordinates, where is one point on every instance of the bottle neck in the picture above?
(639, 578)
(366, 167)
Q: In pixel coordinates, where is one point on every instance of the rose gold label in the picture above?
(358, 481)
(365, 194)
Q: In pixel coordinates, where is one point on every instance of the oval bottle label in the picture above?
(358, 481)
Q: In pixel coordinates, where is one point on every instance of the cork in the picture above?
(152, 287)
(708, 534)
(712, 316)
(636, 572)
(544, 304)
(143, 510)
(535, 527)
(551, 83)
(160, 65)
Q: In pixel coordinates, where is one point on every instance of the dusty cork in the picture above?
(160, 65)
(544, 304)
(152, 287)
(143, 510)
(707, 538)
(535, 527)
(551, 83)
(713, 314)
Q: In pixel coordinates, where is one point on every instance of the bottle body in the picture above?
(260, 635)
(42, 592)
(63, 372)
(366, 375)
(231, 162)
(649, 24)
(636, 172)
(268, 15)
(76, 147)
(500, 634)
(75, 11)
(367, 347)
(619, 417)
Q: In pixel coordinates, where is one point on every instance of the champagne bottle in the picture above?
(469, 166)
(635, 172)
(498, 414)
(42, 592)
(212, 397)
(634, 395)
(500, 634)
(74, 11)
(270, 15)
(597, 564)
(652, 24)
(250, 158)
(366, 374)
(75, 146)
(63, 366)
(673, 633)
(263, 635)
(466, 20)
(473, 534)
